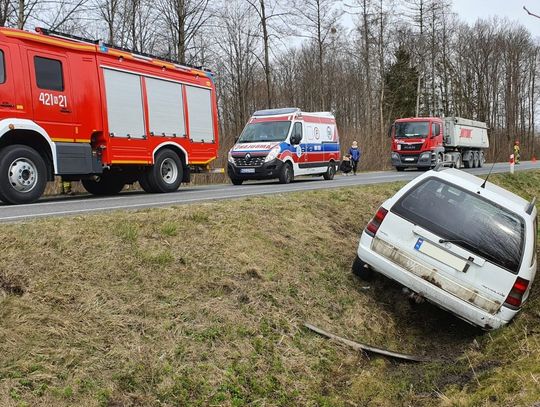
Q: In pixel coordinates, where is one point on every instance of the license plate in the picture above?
(247, 170)
(409, 159)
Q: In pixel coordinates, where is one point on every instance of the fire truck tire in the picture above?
(287, 174)
(167, 172)
(106, 184)
(330, 172)
(23, 175)
(481, 159)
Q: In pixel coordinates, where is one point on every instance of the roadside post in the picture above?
(512, 163)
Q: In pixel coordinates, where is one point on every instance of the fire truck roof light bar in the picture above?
(134, 53)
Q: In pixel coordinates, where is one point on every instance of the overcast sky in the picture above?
(470, 10)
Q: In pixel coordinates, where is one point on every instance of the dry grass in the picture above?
(204, 305)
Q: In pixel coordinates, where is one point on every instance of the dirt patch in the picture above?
(11, 284)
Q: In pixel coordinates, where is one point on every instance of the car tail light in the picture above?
(516, 294)
(375, 223)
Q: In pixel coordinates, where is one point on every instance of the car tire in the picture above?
(361, 269)
(330, 172)
(286, 175)
(106, 184)
(237, 181)
(23, 175)
(167, 172)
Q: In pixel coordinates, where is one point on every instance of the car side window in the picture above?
(2, 67)
(49, 74)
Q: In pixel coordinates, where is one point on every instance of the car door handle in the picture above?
(6, 104)
(64, 110)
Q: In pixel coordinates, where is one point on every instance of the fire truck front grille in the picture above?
(411, 147)
(249, 162)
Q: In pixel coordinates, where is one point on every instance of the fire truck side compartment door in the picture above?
(52, 100)
(201, 123)
(125, 112)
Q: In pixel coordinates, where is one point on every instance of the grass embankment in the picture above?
(204, 305)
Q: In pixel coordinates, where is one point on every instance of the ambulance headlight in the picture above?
(230, 157)
(272, 154)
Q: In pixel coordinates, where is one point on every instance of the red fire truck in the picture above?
(107, 116)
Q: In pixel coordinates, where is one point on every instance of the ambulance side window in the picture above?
(298, 130)
(49, 74)
(2, 67)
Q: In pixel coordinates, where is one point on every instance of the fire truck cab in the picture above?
(85, 111)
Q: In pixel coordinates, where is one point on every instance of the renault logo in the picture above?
(248, 157)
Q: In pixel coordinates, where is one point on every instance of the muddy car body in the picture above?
(467, 246)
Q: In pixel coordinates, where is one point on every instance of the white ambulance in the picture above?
(284, 143)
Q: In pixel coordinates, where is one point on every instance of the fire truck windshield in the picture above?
(412, 129)
(265, 131)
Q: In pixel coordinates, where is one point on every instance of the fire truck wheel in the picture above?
(23, 175)
(481, 159)
(167, 172)
(287, 174)
(106, 184)
(330, 172)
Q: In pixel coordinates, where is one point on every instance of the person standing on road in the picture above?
(355, 154)
(516, 152)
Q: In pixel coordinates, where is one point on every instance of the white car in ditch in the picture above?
(464, 244)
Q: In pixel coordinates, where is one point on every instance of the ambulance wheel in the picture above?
(237, 181)
(400, 168)
(330, 172)
(23, 175)
(106, 184)
(287, 174)
(361, 269)
(167, 172)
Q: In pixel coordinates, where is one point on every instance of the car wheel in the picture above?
(361, 269)
(287, 175)
(23, 175)
(167, 172)
(106, 184)
(330, 172)
(400, 169)
(237, 181)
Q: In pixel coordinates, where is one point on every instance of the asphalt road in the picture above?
(85, 204)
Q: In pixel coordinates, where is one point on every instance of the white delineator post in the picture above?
(512, 163)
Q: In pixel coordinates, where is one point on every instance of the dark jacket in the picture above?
(355, 153)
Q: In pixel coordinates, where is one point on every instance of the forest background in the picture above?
(367, 61)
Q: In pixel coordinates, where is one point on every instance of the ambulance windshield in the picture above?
(412, 129)
(265, 131)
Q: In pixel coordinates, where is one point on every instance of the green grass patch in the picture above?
(204, 305)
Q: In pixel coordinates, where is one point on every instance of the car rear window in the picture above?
(466, 219)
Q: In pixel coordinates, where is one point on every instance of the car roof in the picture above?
(492, 192)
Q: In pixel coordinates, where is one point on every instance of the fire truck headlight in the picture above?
(272, 154)
(230, 157)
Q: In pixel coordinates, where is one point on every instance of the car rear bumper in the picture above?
(431, 292)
